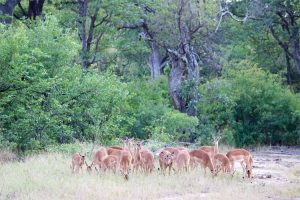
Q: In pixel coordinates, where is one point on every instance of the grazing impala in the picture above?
(110, 162)
(173, 150)
(244, 157)
(193, 163)
(203, 159)
(125, 161)
(221, 162)
(77, 162)
(183, 160)
(116, 150)
(212, 150)
(125, 158)
(165, 161)
(112, 149)
(147, 160)
(98, 158)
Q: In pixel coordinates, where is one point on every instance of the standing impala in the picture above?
(183, 160)
(244, 157)
(77, 162)
(212, 150)
(144, 158)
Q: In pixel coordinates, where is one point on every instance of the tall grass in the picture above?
(48, 176)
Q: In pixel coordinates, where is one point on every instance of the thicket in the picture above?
(58, 88)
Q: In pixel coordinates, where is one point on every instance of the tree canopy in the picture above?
(184, 70)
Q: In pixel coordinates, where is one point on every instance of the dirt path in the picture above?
(278, 167)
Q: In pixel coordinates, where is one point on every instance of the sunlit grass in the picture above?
(48, 176)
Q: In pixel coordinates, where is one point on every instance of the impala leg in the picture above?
(244, 168)
(232, 167)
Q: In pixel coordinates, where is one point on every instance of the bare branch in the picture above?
(178, 55)
(225, 11)
(281, 44)
(104, 19)
(22, 9)
(135, 25)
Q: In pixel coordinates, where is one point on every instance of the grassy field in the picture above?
(48, 176)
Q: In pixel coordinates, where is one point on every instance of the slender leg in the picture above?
(232, 167)
(244, 168)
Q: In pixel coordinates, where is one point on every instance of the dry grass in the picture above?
(7, 156)
(48, 176)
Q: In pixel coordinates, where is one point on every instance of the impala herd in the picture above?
(134, 157)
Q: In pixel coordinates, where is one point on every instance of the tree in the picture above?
(158, 56)
(35, 8)
(280, 19)
(187, 21)
(7, 11)
(285, 29)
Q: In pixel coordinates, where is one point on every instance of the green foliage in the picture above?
(48, 102)
(32, 65)
(251, 106)
(173, 126)
(45, 99)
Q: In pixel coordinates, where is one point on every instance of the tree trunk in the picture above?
(193, 77)
(154, 61)
(176, 76)
(7, 11)
(83, 9)
(184, 66)
(288, 70)
(296, 54)
(35, 8)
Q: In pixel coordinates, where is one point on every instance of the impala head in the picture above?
(82, 157)
(249, 172)
(139, 145)
(216, 139)
(127, 142)
(214, 172)
(167, 157)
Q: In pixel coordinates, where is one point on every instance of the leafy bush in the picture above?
(46, 99)
(253, 108)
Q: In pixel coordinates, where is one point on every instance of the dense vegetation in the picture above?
(183, 70)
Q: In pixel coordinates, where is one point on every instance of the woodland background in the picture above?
(167, 70)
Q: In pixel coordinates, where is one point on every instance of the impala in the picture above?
(125, 158)
(147, 160)
(183, 160)
(77, 162)
(212, 150)
(165, 161)
(244, 157)
(98, 158)
(222, 162)
(203, 159)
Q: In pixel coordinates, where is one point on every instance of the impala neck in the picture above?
(217, 147)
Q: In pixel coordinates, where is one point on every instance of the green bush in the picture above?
(46, 99)
(252, 105)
